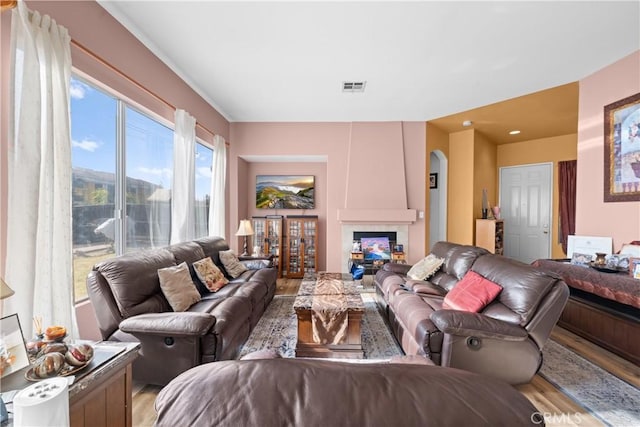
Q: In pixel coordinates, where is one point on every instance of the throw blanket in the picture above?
(329, 313)
(329, 319)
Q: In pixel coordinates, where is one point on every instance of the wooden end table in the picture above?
(101, 394)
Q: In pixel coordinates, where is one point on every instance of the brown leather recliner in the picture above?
(504, 340)
(307, 392)
(130, 306)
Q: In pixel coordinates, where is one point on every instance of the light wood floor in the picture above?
(558, 408)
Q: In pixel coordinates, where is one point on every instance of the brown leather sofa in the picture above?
(504, 340)
(303, 392)
(130, 306)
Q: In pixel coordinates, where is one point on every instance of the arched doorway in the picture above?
(437, 197)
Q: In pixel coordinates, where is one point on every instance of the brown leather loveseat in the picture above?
(130, 306)
(503, 340)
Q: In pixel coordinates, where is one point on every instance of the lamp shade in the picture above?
(5, 290)
(245, 228)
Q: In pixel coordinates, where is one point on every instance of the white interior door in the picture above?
(525, 203)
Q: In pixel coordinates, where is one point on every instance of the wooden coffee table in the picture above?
(312, 293)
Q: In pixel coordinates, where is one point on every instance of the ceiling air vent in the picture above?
(353, 86)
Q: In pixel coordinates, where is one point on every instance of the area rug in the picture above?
(277, 329)
(605, 396)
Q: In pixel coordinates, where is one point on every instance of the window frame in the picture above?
(120, 203)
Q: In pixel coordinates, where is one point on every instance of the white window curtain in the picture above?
(39, 247)
(183, 192)
(219, 172)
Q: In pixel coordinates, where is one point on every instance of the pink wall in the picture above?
(91, 26)
(619, 220)
(331, 140)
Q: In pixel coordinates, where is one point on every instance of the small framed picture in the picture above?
(581, 259)
(433, 180)
(13, 351)
(634, 267)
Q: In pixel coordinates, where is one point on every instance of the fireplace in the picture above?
(396, 233)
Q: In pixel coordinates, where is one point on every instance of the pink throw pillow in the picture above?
(472, 293)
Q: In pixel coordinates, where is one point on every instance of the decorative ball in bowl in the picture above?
(49, 365)
(79, 355)
(55, 333)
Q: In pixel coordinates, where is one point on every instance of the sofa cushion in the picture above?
(209, 275)
(189, 252)
(458, 260)
(425, 268)
(523, 286)
(212, 246)
(177, 287)
(231, 263)
(472, 293)
(133, 279)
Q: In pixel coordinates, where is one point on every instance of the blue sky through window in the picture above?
(93, 134)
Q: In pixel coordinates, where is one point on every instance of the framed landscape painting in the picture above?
(622, 150)
(285, 191)
(376, 248)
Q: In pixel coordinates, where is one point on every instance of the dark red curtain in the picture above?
(567, 190)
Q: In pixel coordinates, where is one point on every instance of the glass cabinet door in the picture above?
(301, 240)
(268, 237)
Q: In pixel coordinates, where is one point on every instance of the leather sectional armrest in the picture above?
(394, 267)
(463, 323)
(424, 287)
(169, 324)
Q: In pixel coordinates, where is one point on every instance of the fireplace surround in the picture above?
(400, 232)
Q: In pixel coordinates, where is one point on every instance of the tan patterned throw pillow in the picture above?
(209, 274)
(425, 268)
(231, 263)
(178, 287)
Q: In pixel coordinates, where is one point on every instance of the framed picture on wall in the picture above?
(285, 191)
(622, 150)
(433, 180)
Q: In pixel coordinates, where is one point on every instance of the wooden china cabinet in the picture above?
(301, 237)
(267, 234)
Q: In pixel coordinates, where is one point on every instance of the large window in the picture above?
(122, 179)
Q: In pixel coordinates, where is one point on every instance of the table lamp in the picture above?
(245, 229)
(5, 290)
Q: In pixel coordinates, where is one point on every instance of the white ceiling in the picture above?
(286, 61)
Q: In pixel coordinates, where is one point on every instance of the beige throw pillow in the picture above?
(425, 268)
(178, 287)
(231, 263)
(209, 274)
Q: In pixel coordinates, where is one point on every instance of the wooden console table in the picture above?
(101, 394)
(603, 307)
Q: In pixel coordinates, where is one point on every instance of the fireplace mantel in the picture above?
(377, 216)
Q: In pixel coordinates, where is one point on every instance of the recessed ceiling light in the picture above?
(514, 132)
(467, 123)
